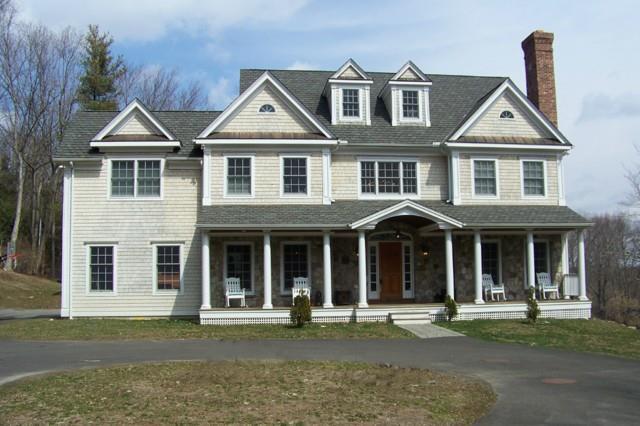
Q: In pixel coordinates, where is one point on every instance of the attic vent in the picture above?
(267, 108)
(506, 114)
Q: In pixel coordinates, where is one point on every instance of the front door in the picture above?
(390, 255)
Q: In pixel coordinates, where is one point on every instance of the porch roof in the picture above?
(343, 214)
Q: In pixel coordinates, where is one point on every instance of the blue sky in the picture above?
(596, 52)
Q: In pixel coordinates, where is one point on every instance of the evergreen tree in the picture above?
(98, 89)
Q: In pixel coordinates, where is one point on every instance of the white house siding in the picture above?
(350, 73)
(409, 74)
(433, 177)
(509, 181)
(267, 179)
(133, 225)
(135, 125)
(490, 123)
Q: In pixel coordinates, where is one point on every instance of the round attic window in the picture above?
(267, 108)
(506, 114)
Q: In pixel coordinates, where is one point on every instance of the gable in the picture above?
(522, 124)
(135, 124)
(350, 74)
(409, 74)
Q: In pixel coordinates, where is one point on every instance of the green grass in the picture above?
(20, 291)
(246, 392)
(116, 329)
(594, 335)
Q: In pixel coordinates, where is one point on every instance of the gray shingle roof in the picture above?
(342, 213)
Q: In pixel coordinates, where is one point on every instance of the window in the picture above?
(294, 176)
(295, 263)
(267, 108)
(410, 107)
(239, 176)
(168, 267)
(239, 264)
(373, 268)
(136, 178)
(388, 177)
(541, 256)
(491, 260)
(101, 268)
(406, 262)
(533, 178)
(484, 177)
(506, 114)
(350, 103)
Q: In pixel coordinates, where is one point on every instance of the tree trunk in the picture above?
(11, 262)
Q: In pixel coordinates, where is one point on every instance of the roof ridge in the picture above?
(372, 72)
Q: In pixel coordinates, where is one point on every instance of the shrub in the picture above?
(451, 308)
(533, 310)
(300, 312)
(623, 310)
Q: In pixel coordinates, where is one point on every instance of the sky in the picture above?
(596, 56)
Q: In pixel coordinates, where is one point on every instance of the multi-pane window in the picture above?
(168, 267)
(294, 175)
(101, 268)
(295, 263)
(484, 177)
(239, 176)
(541, 257)
(373, 268)
(491, 260)
(410, 107)
(136, 178)
(388, 177)
(406, 268)
(239, 264)
(350, 103)
(533, 178)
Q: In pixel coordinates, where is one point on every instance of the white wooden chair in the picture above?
(233, 290)
(300, 288)
(492, 289)
(546, 286)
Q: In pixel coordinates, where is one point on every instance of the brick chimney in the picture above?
(538, 62)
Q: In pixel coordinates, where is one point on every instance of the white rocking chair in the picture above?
(233, 290)
(300, 288)
(491, 289)
(546, 286)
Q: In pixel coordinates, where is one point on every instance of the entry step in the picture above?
(410, 318)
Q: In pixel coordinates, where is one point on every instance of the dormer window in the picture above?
(348, 92)
(406, 97)
(350, 103)
(506, 114)
(267, 109)
(410, 104)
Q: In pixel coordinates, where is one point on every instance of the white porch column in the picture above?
(582, 272)
(531, 267)
(477, 266)
(206, 271)
(448, 248)
(267, 271)
(326, 250)
(565, 258)
(362, 271)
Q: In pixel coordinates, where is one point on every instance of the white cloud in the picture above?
(597, 106)
(301, 65)
(221, 93)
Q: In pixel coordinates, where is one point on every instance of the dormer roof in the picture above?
(410, 73)
(350, 71)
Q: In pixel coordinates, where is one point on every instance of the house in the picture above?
(385, 191)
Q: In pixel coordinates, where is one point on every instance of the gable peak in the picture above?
(350, 70)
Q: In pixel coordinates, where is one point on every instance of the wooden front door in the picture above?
(390, 257)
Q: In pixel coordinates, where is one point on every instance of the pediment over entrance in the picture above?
(403, 209)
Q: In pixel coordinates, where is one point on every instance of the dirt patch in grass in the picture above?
(20, 291)
(114, 329)
(593, 335)
(246, 392)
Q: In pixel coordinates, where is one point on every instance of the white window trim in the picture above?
(360, 104)
(473, 180)
(100, 293)
(388, 196)
(513, 116)
(544, 174)
(408, 294)
(499, 243)
(283, 291)
(156, 290)
(373, 295)
(420, 118)
(296, 195)
(135, 196)
(252, 158)
(252, 290)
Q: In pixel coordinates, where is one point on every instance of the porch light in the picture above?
(398, 236)
(425, 250)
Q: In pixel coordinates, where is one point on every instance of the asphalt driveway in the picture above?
(534, 385)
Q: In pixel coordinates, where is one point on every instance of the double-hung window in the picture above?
(239, 264)
(410, 104)
(295, 176)
(295, 264)
(136, 178)
(485, 178)
(533, 181)
(239, 176)
(388, 177)
(351, 103)
(101, 268)
(168, 265)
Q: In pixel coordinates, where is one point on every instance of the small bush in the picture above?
(300, 312)
(533, 310)
(623, 310)
(451, 308)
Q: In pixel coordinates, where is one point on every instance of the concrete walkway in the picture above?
(429, 331)
(6, 314)
(534, 385)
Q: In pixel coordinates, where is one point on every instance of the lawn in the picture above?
(247, 392)
(594, 335)
(19, 291)
(115, 329)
